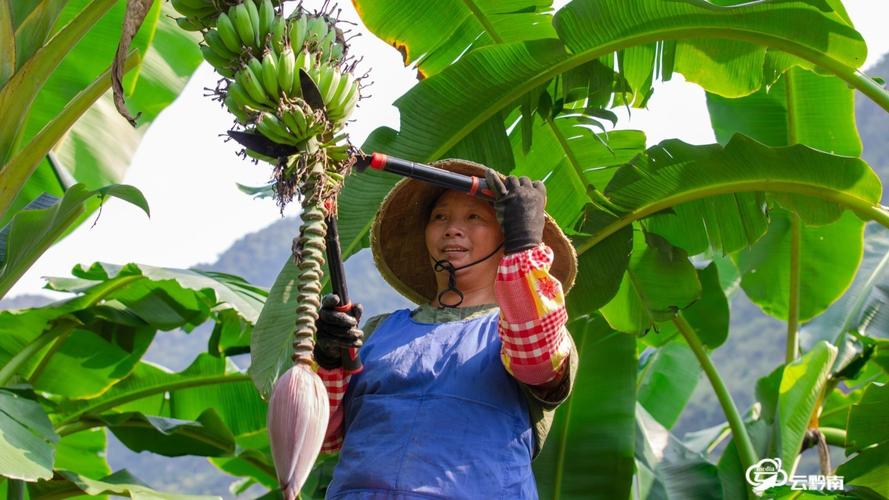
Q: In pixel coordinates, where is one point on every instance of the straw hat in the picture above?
(398, 237)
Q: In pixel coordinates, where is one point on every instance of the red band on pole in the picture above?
(344, 308)
(353, 355)
(474, 187)
(378, 161)
(488, 192)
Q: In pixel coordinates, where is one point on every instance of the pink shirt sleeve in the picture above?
(336, 381)
(536, 343)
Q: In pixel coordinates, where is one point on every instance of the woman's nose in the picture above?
(453, 229)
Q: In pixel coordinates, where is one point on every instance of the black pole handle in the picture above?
(351, 361)
(469, 184)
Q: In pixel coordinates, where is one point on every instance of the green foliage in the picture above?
(665, 235)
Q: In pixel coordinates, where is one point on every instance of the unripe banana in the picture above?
(286, 71)
(266, 19)
(337, 52)
(255, 65)
(235, 109)
(270, 73)
(261, 157)
(303, 62)
(249, 81)
(253, 12)
(243, 25)
(189, 23)
(323, 79)
(337, 153)
(193, 4)
(333, 84)
(221, 64)
(215, 42)
(341, 110)
(277, 32)
(325, 46)
(228, 33)
(335, 105)
(295, 120)
(269, 126)
(193, 9)
(297, 32)
(349, 102)
(242, 99)
(316, 31)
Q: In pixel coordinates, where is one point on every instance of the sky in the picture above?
(189, 175)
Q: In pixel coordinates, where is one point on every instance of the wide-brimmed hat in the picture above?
(398, 240)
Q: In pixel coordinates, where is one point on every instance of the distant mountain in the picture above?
(24, 301)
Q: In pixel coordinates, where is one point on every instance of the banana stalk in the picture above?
(261, 55)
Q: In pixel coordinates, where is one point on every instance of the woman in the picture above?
(455, 397)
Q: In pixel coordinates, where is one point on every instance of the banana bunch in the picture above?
(262, 55)
(317, 35)
(339, 90)
(198, 13)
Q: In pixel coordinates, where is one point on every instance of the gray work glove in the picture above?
(337, 332)
(519, 203)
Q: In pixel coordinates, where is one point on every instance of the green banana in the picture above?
(266, 19)
(221, 64)
(303, 62)
(270, 74)
(261, 157)
(334, 106)
(189, 24)
(255, 65)
(277, 32)
(295, 119)
(286, 71)
(325, 46)
(253, 12)
(297, 32)
(193, 9)
(214, 41)
(243, 25)
(337, 52)
(338, 153)
(233, 108)
(242, 98)
(323, 78)
(193, 4)
(270, 126)
(345, 102)
(333, 84)
(316, 31)
(228, 33)
(247, 79)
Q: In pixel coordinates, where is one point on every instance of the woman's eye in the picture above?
(475, 216)
(438, 217)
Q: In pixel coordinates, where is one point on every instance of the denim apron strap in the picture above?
(434, 414)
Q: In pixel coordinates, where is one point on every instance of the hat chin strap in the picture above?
(445, 265)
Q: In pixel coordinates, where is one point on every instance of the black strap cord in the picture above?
(445, 265)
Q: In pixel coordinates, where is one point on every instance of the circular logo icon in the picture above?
(765, 474)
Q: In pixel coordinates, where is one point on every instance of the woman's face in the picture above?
(463, 229)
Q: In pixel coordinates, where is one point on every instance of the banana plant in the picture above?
(73, 368)
(54, 70)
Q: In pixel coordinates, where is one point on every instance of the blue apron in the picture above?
(434, 414)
